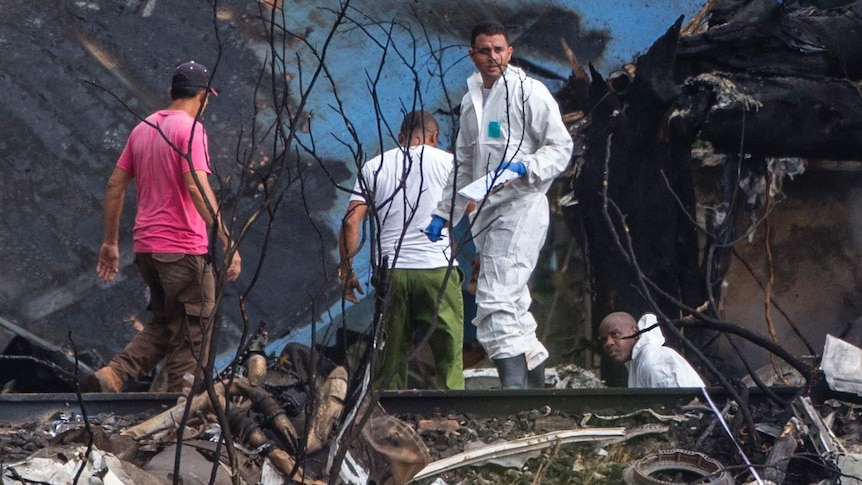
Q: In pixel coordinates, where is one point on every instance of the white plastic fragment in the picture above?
(841, 365)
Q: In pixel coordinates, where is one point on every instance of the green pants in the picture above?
(412, 307)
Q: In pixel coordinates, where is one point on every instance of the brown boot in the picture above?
(105, 380)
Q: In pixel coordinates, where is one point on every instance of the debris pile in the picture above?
(275, 423)
(684, 446)
(793, 443)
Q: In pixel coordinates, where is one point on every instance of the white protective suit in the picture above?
(520, 122)
(654, 365)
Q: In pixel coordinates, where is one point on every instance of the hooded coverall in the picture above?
(518, 122)
(654, 365)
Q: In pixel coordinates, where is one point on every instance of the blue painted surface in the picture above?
(635, 25)
(354, 59)
(609, 34)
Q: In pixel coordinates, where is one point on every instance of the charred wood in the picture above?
(726, 11)
(779, 116)
(772, 39)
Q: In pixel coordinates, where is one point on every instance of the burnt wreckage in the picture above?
(733, 86)
(766, 85)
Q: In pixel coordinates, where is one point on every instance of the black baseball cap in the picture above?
(192, 75)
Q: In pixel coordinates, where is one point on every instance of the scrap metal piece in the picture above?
(395, 451)
(521, 445)
(329, 408)
(248, 431)
(63, 464)
(256, 369)
(778, 458)
(645, 430)
(641, 472)
(826, 443)
(275, 417)
(169, 419)
(37, 364)
(660, 417)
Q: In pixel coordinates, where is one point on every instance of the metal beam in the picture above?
(41, 407)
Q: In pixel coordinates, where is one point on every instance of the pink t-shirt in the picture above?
(166, 220)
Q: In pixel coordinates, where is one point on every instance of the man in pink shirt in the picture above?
(166, 155)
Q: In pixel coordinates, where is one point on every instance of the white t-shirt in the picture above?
(404, 191)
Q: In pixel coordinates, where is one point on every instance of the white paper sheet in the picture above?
(480, 188)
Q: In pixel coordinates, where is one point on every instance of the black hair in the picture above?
(418, 121)
(488, 27)
(184, 93)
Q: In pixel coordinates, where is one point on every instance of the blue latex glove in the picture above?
(435, 229)
(517, 167)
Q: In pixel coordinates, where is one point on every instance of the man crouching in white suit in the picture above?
(649, 362)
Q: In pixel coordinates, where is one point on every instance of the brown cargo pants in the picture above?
(182, 300)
